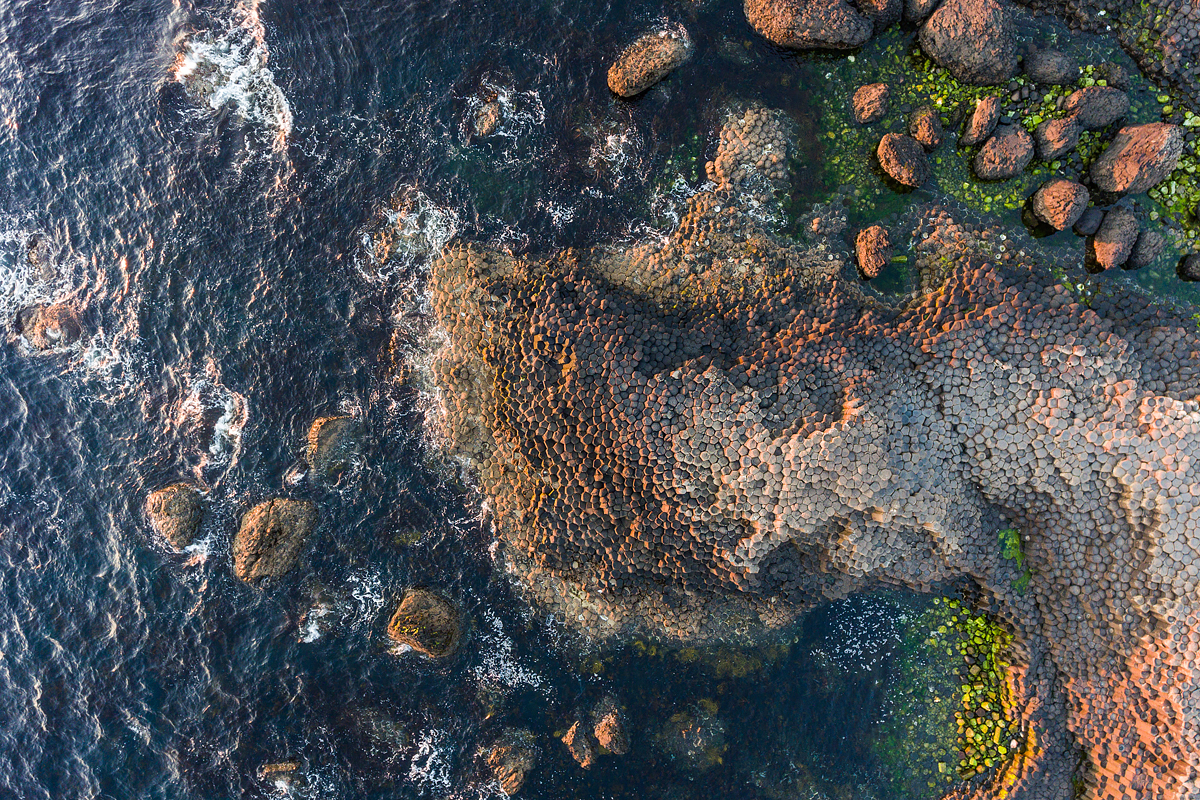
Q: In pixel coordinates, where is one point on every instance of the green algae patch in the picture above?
(950, 717)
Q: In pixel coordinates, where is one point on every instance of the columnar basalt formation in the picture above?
(700, 437)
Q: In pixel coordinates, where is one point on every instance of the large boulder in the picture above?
(903, 158)
(511, 758)
(648, 60)
(809, 24)
(271, 536)
(1138, 158)
(332, 444)
(873, 247)
(1060, 203)
(1114, 242)
(976, 40)
(1005, 155)
(175, 513)
(982, 122)
(47, 327)
(1057, 137)
(871, 103)
(1097, 107)
(1189, 268)
(1149, 246)
(581, 744)
(1089, 222)
(427, 623)
(608, 726)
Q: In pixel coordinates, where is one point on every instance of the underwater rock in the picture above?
(1005, 155)
(695, 737)
(871, 103)
(975, 39)
(580, 745)
(1097, 107)
(608, 726)
(487, 119)
(284, 776)
(809, 24)
(1060, 202)
(1139, 158)
(1189, 268)
(982, 122)
(873, 248)
(1050, 67)
(271, 536)
(925, 125)
(175, 513)
(648, 60)
(1149, 247)
(426, 623)
(47, 327)
(916, 11)
(1057, 137)
(903, 158)
(1116, 237)
(332, 444)
(1089, 222)
(512, 757)
(1116, 75)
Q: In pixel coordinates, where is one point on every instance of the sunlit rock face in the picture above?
(700, 437)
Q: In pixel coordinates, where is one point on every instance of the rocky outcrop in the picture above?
(1050, 67)
(1056, 137)
(925, 125)
(47, 327)
(333, 443)
(270, 538)
(512, 758)
(694, 738)
(1005, 155)
(648, 60)
(1150, 245)
(175, 513)
(975, 40)
(487, 118)
(871, 103)
(1060, 203)
(982, 122)
(609, 727)
(580, 744)
(427, 623)
(809, 24)
(1139, 158)
(1115, 239)
(873, 247)
(903, 159)
(1096, 107)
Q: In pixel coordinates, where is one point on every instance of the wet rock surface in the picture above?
(1139, 158)
(871, 103)
(175, 513)
(974, 39)
(802, 24)
(580, 744)
(1060, 202)
(512, 758)
(1005, 155)
(333, 443)
(48, 327)
(1056, 137)
(1115, 238)
(1149, 247)
(609, 726)
(1089, 222)
(1096, 107)
(873, 247)
(427, 623)
(903, 159)
(982, 122)
(271, 537)
(1050, 67)
(925, 125)
(648, 60)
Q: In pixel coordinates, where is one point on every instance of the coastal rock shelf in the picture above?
(702, 437)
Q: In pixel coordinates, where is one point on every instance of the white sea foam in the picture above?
(27, 276)
(430, 768)
(212, 417)
(499, 666)
(521, 113)
(413, 231)
(229, 70)
(862, 634)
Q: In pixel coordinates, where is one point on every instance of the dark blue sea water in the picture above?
(214, 238)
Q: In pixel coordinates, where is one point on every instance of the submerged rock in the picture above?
(804, 24)
(975, 40)
(1116, 237)
(333, 443)
(512, 758)
(580, 745)
(1189, 268)
(1089, 222)
(1057, 137)
(648, 60)
(175, 513)
(1146, 251)
(1060, 202)
(982, 122)
(487, 118)
(1139, 158)
(694, 738)
(285, 776)
(871, 103)
(1005, 155)
(427, 623)
(925, 125)
(608, 726)
(271, 536)
(903, 158)
(1097, 107)
(1051, 67)
(47, 327)
(873, 247)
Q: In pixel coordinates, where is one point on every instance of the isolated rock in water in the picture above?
(648, 60)
(1060, 203)
(903, 158)
(271, 536)
(694, 738)
(809, 24)
(512, 757)
(581, 745)
(916, 11)
(925, 125)
(332, 444)
(1057, 137)
(1097, 107)
(1005, 155)
(175, 513)
(982, 122)
(873, 247)
(1189, 268)
(426, 623)
(882, 13)
(283, 775)
(1139, 158)
(871, 103)
(976, 40)
(608, 726)
(1149, 247)
(1089, 222)
(487, 118)
(46, 327)
(1051, 67)
(1115, 240)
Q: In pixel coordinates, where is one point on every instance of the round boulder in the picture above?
(1146, 251)
(647, 61)
(487, 119)
(1138, 158)
(882, 13)
(982, 122)
(1051, 67)
(1005, 155)
(175, 513)
(903, 158)
(1113, 243)
(804, 24)
(1056, 137)
(1089, 222)
(871, 103)
(873, 247)
(271, 536)
(1060, 203)
(426, 623)
(925, 125)
(47, 327)
(976, 40)
(1097, 107)
(332, 444)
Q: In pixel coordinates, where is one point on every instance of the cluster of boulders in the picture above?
(602, 731)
